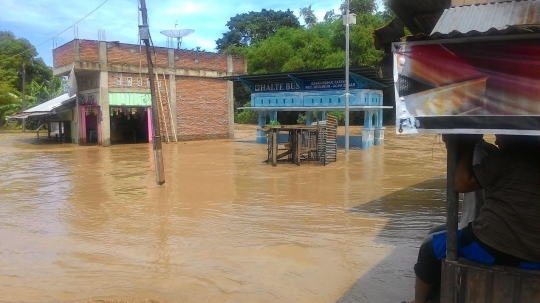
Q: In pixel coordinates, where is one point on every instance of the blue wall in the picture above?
(308, 99)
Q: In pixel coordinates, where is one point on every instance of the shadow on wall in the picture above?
(411, 211)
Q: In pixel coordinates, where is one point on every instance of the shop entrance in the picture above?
(91, 120)
(129, 125)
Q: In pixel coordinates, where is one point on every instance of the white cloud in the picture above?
(119, 18)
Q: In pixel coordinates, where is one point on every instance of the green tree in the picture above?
(309, 17)
(359, 7)
(253, 27)
(386, 12)
(330, 16)
(8, 94)
(14, 52)
(293, 49)
(362, 45)
(40, 83)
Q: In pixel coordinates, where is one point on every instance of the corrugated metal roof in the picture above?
(50, 105)
(491, 18)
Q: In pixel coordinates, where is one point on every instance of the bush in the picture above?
(246, 116)
(301, 119)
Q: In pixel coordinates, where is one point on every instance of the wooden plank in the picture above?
(298, 147)
(469, 282)
(269, 147)
(173, 125)
(161, 108)
(274, 147)
(529, 290)
(448, 278)
(503, 288)
(475, 283)
(284, 154)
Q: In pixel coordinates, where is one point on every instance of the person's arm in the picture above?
(464, 178)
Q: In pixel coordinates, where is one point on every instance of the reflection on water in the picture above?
(89, 223)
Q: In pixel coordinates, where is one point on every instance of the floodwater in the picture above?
(89, 224)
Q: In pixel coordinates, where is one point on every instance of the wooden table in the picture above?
(293, 148)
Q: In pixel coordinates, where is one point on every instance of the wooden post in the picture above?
(298, 147)
(275, 133)
(144, 33)
(449, 271)
(452, 200)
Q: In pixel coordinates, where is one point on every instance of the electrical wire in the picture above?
(23, 52)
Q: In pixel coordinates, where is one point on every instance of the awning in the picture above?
(517, 17)
(47, 108)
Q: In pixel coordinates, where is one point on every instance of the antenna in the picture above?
(178, 34)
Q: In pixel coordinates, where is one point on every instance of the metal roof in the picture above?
(50, 105)
(514, 17)
(46, 108)
(368, 72)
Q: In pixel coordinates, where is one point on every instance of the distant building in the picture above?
(319, 91)
(113, 92)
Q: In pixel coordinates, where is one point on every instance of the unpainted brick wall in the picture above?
(64, 55)
(200, 60)
(202, 108)
(89, 50)
(134, 55)
(130, 54)
(239, 65)
(161, 57)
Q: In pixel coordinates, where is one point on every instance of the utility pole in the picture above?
(23, 100)
(347, 95)
(144, 33)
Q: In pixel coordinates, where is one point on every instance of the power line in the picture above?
(58, 33)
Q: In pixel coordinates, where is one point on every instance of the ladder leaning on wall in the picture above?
(328, 141)
(165, 104)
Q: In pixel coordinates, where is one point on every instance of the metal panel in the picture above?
(491, 18)
(51, 104)
(130, 99)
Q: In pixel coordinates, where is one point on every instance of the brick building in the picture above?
(113, 94)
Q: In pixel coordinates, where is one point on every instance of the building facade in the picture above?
(314, 93)
(113, 92)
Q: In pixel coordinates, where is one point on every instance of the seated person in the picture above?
(506, 230)
(473, 201)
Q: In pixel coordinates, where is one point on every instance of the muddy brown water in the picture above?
(89, 224)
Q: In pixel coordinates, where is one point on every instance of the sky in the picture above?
(41, 20)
